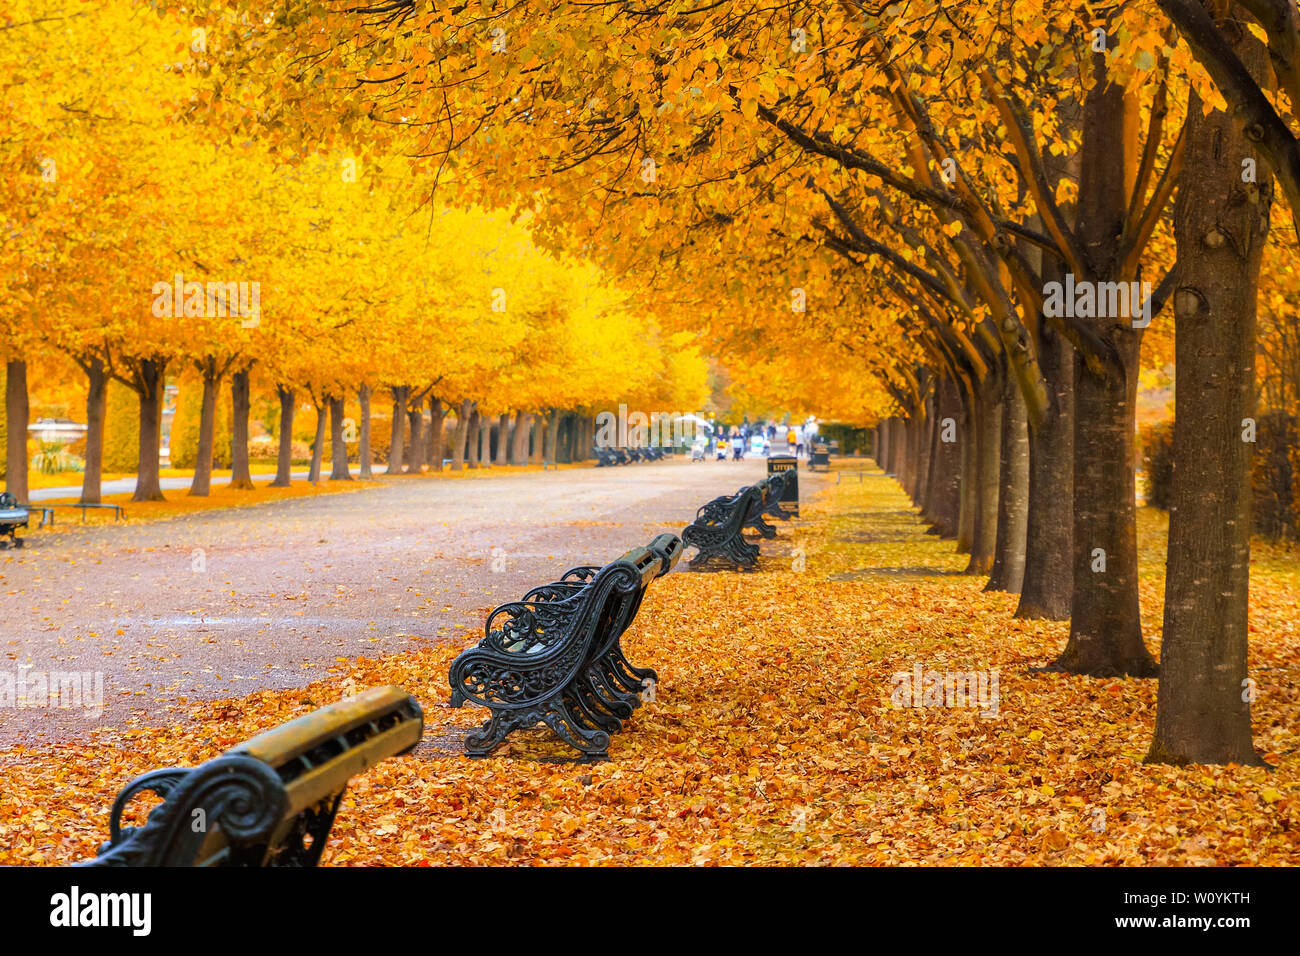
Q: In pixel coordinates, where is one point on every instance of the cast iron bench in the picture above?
(717, 531)
(270, 801)
(554, 657)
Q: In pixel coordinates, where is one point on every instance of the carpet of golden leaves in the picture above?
(773, 738)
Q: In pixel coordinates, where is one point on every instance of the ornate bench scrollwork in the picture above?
(270, 801)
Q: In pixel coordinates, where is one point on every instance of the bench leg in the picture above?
(630, 678)
(592, 744)
(585, 707)
(743, 554)
(578, 732)
(616, 701)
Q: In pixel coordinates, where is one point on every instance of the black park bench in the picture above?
(554, 657)
(625, 455)
(718, 529)
(270, 801)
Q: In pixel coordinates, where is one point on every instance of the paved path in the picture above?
(221, 603)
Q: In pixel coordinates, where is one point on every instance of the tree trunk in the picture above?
(460, 436)
(538, 433)
(415, 420)
(930, 483)
(401, 393)
(201, 484)
(484, 441)
(886, 445)
(945, 487)
(151, 381)
(284, 459)
(519, 439)
(919, 450)
(985, 461)
(1221, 227)
(969, 459)
(472, 440)
(550, 447)
(1008, 569)
(920, 444)
(503, 439)
(339, 470)
(96, 408)
(240, 475)
(898, 448)
(17, 414)
(437, 434)
(363, 397)
(1105, 628)
(564, 446)
(1105, 624)
(1049, 578)
(317, 446)
(903, 446)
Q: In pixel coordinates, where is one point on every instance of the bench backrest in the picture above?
(733, 512)
(652, 561)
(270, 801)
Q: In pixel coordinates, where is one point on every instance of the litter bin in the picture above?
(790, 496)
(820, 456)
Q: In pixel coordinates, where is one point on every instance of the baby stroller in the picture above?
(12, 517)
